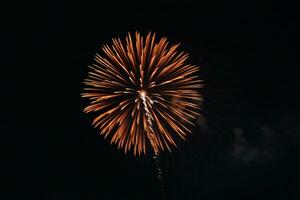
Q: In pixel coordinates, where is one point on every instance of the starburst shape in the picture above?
(142, 91)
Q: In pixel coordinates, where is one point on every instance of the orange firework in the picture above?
(142, 89)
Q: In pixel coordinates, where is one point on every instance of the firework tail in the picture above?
(150, 134)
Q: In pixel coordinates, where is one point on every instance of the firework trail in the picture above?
(151, 138)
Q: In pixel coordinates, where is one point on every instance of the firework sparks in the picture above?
(143, 90)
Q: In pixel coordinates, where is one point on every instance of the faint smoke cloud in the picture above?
(270, 146)
(241, 149)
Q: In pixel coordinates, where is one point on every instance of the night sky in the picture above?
(246, 147)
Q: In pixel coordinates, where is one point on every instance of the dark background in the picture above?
(247, 149)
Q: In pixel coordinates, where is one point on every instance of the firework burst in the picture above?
(141, 90)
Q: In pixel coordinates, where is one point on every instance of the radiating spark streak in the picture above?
(143, 90)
